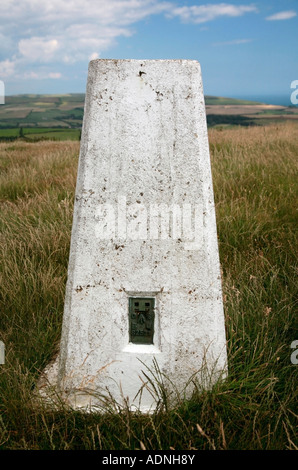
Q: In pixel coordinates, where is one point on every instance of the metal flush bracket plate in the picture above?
(141, 320)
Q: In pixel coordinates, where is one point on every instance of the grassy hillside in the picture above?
(255, 183)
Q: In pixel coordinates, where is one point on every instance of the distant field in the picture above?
(255, 109)
(42, 111)
(246, 113)
(60, 117)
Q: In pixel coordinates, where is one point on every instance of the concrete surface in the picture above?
(144, 151)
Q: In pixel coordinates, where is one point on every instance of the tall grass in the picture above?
(254, 176)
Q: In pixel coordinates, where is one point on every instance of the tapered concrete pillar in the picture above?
(144, 281)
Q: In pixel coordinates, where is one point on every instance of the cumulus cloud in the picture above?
(38, 49)
(80, 38)
(66, 31)
(62, 32)
(282, 15)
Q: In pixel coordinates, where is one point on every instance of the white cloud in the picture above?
(31, 76)
(67, 12)
(81, 38)
(62, 32)
(66, 31)
(204, 13)
(233, 42)
(40, 75)
(282, 15)
(38, 49)
(7, 68)
(93, 56)
(55, 75)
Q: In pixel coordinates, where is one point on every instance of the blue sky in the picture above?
(246, 49)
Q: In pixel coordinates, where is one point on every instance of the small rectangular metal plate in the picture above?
(141, 320)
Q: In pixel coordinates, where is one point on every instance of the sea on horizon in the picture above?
(281, 100)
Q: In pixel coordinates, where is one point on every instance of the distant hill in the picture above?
(63, 111)
(36, 117)
(219, 100)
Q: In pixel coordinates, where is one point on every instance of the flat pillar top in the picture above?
(145, 60)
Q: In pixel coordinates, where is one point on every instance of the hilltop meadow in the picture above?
(255, 185)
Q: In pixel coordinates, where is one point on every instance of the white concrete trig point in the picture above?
(144, 275)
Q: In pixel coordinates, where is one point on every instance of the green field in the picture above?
(255, 185)
(39, 133)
